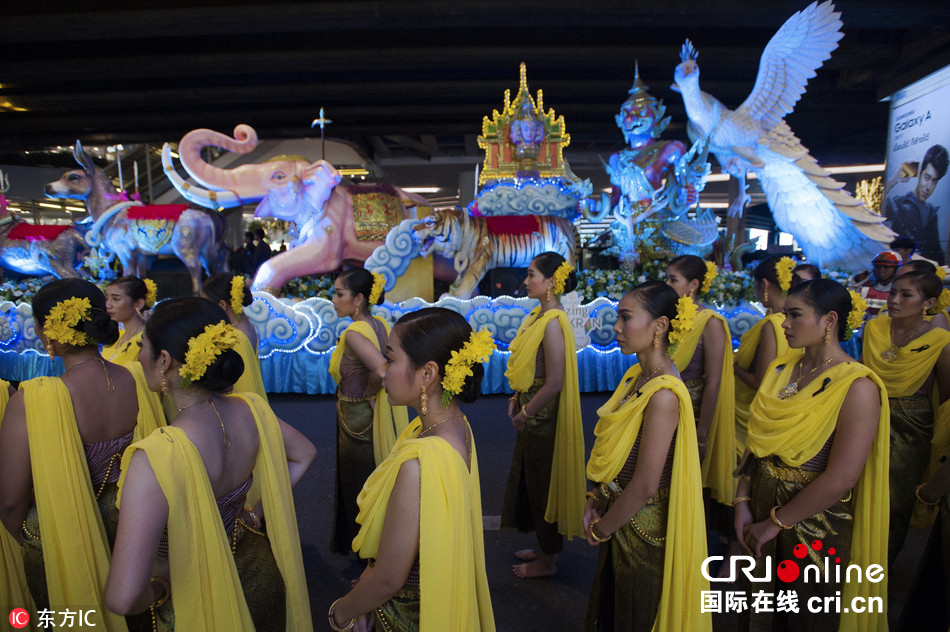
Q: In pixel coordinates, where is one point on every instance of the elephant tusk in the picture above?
(194, 193)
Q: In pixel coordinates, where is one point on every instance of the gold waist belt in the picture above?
(612, 491)
(694, 383)
(350, 400)
(909, 403)
(785, 473)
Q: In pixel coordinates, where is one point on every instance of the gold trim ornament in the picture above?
(204, 348)
(711, 271)
(60, 324)
(478, 348)
(151, 292)
(683, 323)
(560, 277)
(783, 270)
(237, 294)
(859, 308)
(379, 283)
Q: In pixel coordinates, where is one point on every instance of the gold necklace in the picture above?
(439, 423)
(110, 385)
(791, 389)
(637, 385)
(227, 441)
(890, 354)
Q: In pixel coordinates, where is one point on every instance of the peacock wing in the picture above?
(790, 59)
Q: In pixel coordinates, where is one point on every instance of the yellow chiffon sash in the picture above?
(451, 544)
(151, 416)
(566, 491)
(13, 589)
(796, 429)
(123, 351)
(615, 434)
(206, 588)
(251, 380)
(75, 549)
(914, 363)
(720, 459)
(388, 421)
(745, 354)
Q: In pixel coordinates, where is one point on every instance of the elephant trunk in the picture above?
(207, 175)
(194, 194)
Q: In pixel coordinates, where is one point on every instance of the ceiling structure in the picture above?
(408, 83)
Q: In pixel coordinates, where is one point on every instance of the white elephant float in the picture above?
(335, 225)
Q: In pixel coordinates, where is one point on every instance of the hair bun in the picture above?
(473, 385)
(222, 374)
(100, 327)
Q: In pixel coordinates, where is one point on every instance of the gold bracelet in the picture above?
(921, 500)
(594, 535)
(167, 590)
(592, 495)
(253, 514)
(345, 628)
(778, 522)
(741, 499)
(524, 411)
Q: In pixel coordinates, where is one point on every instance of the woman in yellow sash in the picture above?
(126, 299)
(232, 294)
(765, 340)
(217, 568)
(912, 358)
(366, 425)
(60, 445)
(646, 510)
(928, 605)
(546, 479)
(813, 481)
(421, 511)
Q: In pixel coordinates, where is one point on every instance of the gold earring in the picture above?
(656, 339)
(765, 295)
(549, 294)
(424, 402)
(827, 336)
(165, 384)
(49, 351)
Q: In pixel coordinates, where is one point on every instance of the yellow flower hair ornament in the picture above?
(204, 348)
(683, 323)
(943, 301)
(560, 277)
(783, 270)
(859, 308)
(941, 273)
(151, 292)
(711, 271)
(379, 284)
(237, 294)
(60, 324)
(478, 348)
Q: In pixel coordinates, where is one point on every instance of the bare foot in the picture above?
(537, 568)
(526, 555)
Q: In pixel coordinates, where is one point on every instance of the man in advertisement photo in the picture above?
(910, 214)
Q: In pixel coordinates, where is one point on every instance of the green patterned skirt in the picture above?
(912, 428)
(355, 461)
(401, 612)
(775, 484)
(629, 578)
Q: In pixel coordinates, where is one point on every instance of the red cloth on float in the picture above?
(513, 224)
(33, 232)
(157, 211)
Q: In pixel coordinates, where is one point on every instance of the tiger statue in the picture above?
(474, 248)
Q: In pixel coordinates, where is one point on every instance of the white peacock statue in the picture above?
(832, 227)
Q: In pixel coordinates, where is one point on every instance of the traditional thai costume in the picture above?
(365, 433)
(70, 527)
(226, 579)
(14, 592)
(909, 373)
(545, 491)
(251, 380)
(123, 350)
(747, 357)
(720, 459)
(789, 444)
(451, 563)
(647, 576)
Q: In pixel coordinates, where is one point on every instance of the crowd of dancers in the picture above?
(152, 482)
